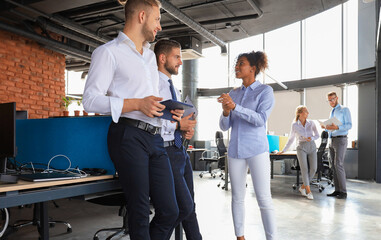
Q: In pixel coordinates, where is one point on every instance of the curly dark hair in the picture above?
(257, 59)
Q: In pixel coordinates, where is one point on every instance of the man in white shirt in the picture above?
(168, 56)
(123, 81)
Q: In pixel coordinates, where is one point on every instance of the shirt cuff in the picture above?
(237, 108)
(116, 108)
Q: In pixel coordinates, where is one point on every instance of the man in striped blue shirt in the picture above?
(339, 142)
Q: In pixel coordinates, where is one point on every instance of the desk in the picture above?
(273, 157)
(195, 155)
(23, 192)
(286, 155)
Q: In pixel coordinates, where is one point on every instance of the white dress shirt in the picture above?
(301, 132)
(168, 128)
(118, 71)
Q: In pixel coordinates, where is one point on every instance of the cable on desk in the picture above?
(69, 169)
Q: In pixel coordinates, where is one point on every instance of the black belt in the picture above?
(169, 143)
(342, 136)
(140, 124)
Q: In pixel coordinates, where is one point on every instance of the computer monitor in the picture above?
(22, 114)
(8, 135)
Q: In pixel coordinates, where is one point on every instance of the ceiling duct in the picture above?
(65, 22)
(177, 13)
(83, 55)
(254, 5)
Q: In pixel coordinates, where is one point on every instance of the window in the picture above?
(322, 44)
(282, 47)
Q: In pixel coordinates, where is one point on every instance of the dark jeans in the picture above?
(183, 178)
(144, 171)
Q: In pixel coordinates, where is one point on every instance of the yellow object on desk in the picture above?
(282, 142)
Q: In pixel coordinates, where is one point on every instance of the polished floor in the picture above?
(356, 218)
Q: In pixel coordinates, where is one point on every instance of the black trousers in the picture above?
(144, 172)
(183, 178)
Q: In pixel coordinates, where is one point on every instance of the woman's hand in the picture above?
(227, 103)
(279, 153)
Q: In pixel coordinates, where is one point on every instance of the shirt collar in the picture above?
(252, 86)
(163, 77)
(300, 123)
(338, 106)
(123, 38)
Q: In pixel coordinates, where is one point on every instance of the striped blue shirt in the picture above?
(248, 120)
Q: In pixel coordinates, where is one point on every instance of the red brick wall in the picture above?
(31, 76)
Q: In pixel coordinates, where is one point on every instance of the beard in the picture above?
(147, 33)
(171, 69)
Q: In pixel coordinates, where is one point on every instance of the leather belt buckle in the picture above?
(142, 125)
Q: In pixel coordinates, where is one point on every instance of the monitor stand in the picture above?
(4, 178)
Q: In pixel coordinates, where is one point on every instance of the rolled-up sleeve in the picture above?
(101, 73)
(347, 124)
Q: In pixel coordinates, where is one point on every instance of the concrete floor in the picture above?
(356, 218)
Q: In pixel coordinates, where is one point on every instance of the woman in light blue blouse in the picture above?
(246, 110)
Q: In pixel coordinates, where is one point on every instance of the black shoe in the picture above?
(342, 195)
(334, 194)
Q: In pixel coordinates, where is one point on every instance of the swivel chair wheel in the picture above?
(95, 238)
(214, 175)
(69, 230)
(218, 185)
(51, 224)
(200, 175)
(294, 187)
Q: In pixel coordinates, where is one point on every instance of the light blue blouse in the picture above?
(248, 120)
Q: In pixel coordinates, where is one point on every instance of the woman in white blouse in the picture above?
(305, 133)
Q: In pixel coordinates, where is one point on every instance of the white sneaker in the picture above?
(303, 191)
(310, 196)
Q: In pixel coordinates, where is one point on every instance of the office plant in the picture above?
(66, 101)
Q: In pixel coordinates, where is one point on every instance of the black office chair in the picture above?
(218, 157)
(36, 220)
(324, 170)
(113, 199)
(4, 221)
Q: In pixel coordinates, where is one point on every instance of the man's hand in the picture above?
(150, 106)
(186, 124)
(189, 134)
(332, 127)
(227, 103)
(279, 153)
(177, 114)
